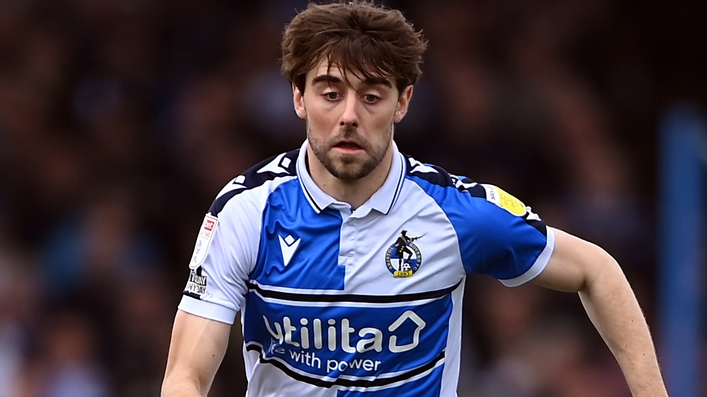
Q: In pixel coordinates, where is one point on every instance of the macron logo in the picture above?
(288, 246)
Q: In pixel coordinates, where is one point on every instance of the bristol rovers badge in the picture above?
(403, 258)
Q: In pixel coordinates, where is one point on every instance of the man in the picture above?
(402, 247)
(301, 244)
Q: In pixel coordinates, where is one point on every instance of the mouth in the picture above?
(348, 145)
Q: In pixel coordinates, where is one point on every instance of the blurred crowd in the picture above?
(120, 120)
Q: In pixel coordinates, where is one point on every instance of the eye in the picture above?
(331, 95)
(370, 98)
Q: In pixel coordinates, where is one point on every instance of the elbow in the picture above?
(577, 265)
(177, 386)
(603, 270)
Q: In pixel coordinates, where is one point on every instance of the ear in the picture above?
(298, 100)
(403, 103)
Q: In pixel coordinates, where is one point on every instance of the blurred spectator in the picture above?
(141, 337)
(66, 365)
(18, 316)
(98, 249)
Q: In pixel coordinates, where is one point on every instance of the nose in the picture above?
(350, 115)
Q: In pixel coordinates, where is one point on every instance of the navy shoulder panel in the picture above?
(284, 164)
(438, 176)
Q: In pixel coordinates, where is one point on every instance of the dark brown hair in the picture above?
(359, 37)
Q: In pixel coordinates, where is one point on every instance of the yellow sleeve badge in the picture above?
(505, 200)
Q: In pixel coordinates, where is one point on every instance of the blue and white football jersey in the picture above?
(365, 302)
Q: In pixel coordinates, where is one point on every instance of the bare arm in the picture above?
(195, 353)
(579, 266)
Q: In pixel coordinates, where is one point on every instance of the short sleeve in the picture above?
(221, 263)
(498, 235)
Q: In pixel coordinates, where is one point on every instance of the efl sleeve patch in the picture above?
(504, 200)
(203, 241)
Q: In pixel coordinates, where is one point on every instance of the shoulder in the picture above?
(267, 173)
(454, 192)
(432, 177)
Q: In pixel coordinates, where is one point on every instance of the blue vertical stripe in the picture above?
(680, 272)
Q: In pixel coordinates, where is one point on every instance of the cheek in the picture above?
(321, 122)
(384, 121)
(388, 116)
(315, 125)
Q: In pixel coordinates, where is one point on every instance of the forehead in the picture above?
(352, 77)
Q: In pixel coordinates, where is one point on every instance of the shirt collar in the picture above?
(382, 200)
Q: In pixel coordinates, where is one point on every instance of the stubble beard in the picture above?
(349, 168)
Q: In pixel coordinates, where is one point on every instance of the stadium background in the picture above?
(121, 119)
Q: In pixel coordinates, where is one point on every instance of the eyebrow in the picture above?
(369, 81)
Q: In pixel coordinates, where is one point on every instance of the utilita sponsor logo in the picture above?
(317, 333)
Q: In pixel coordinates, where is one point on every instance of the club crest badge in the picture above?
(403, 258)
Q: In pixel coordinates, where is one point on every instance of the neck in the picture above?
(356, 192)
